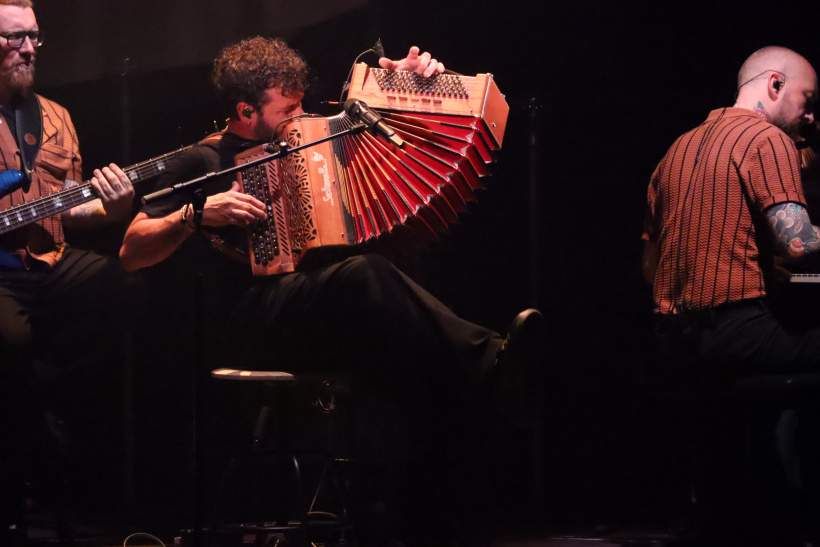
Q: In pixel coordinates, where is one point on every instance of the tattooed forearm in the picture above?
(91, 208)
(87, 215)
(795, 235)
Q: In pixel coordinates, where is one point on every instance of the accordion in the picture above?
(361, 190)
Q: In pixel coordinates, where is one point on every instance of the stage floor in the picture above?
(42, 534)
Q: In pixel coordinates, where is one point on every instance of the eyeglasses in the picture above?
(16, 40)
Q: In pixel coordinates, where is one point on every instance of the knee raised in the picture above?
(368, 265)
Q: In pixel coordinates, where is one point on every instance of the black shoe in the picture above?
(519, 360)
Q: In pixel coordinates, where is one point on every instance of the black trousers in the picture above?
(58, 327)
(361, 311)
(755, 338)
(364, 317)
(746, 338)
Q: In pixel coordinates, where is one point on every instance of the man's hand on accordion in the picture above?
(233, 208)
(420, 64)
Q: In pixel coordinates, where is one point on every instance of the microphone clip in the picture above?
(276, 146)
(360, 112)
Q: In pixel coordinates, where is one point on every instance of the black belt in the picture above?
(687, 319)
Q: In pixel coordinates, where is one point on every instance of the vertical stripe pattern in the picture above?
(58, 160)
(705, 209)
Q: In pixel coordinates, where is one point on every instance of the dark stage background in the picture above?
(598, 90)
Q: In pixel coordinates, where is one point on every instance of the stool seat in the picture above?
(253, 375)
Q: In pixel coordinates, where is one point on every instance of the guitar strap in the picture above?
(29, 118)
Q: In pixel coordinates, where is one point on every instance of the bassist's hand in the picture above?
(115, 190)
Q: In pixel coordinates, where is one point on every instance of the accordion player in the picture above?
(361, 190)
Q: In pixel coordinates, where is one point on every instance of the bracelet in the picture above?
(183, 216)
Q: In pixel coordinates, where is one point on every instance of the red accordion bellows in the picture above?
(359, 189)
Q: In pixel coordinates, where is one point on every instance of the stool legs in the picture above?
(271, 496)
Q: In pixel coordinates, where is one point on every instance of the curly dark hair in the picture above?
(244, 71)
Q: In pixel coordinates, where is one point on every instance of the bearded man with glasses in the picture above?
(49, 291)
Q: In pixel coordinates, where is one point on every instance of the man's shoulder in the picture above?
(768, 137)
(50, 107)
(214, 140)
(752, 123)
(205, 155)
(56, 119)
(742, 127)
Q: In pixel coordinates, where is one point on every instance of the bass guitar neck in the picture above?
(38, 209)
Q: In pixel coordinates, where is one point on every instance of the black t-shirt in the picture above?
(209, 156)
(11, 120)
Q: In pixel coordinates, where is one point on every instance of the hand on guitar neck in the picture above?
(115, 193)
(74, 197)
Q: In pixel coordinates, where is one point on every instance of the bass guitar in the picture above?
(44, 207)
(25, 213)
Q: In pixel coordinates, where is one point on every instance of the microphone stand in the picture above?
(192, 186)
(194, 189)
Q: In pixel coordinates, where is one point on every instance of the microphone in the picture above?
(378, 48)
(360, 112)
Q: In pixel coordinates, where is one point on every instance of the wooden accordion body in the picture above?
(359, 189)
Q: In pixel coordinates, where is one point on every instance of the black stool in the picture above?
(790, 401)
(292, 511)
(757, 488)
(784, 394)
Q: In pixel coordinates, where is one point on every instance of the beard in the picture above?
(792, 129)
(790, 120)
(263, 132)
(18, 79)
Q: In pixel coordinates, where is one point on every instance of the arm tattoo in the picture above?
(794, 233)
(92, 208)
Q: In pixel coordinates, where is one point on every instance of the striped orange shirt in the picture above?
(57, 161)
(706, 204)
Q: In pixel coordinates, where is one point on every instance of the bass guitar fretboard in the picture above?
(38, 209)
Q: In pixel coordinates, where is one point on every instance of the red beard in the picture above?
(19, 78)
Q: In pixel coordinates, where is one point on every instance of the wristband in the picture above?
(183, 217)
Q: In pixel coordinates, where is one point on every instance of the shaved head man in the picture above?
(725, 213)
(779, 85)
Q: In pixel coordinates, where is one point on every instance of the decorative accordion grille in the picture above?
(297, 198)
